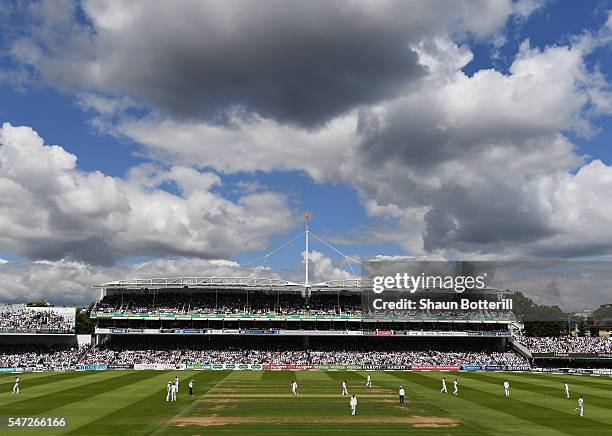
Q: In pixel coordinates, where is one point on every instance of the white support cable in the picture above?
(263, 264)
(369, 267)
(343, 255)
(338, 251)
(265, 256)
(352, 270)
(345, 261)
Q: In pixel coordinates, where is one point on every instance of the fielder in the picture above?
(191, 388)
(455, 387)
(580, 407)
(506, 388)
(567, 394)
(369, 382)
(176, 382)
(173, 390)
(402, 393)
(294, 388)
(344, 390)
(16, 386)
(169, 391)
(353, 404)
(443, 390)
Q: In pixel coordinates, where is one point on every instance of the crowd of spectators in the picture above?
(567, 344)
(33, 356)
(419, 358)
(201, 303)
(263, 303)
(27, 320)
(421, 355)
(194, 354)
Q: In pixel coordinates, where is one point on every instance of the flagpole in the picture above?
(306, 256)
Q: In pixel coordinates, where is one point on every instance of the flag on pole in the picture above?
(306, 216)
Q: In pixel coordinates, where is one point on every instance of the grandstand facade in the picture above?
(39, 338)
(243, 306)
(206, 317)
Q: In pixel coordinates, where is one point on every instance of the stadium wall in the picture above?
(45, 339)
(288, 367)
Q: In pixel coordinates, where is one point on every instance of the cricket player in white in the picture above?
(580, 407)
(567, 395)
(173, 390)
(402, 393)
(294, 388)
(16, 386)
(506, 388)
(369, 382)
(191, 387)
(344, 390)
(455, 387)
(353, 403)
(443, 390)
(168, 391)
(176, 382)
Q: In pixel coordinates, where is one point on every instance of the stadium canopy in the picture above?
(250, 283)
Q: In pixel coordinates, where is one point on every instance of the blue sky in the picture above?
(324, 130)
(555, 24)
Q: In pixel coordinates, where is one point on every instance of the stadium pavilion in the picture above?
(249, 310)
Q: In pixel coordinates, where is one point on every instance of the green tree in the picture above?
(543, 328)
(41, 303)
(84, 324)
(539, 319)
(603, 315)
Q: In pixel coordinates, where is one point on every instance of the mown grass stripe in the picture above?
(209, 383)
(556, 418)
(350, 377)
(262, 403)
(417, 397)
(44, 403)
(487, 419)
(68, 381)
(555, 388)
(287, 376)
(108, 402)
(549, 387)
(145, 415)
(602, 383)
(495, 421)
(485, 398)
(544, 393)
(10, 377)
(28, 382)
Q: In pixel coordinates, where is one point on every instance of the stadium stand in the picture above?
(154, 303)
(284, 351)
(21, 319)
(288, 357)
(567, 344)
(36, 357)
(148, 324)
(130, 351)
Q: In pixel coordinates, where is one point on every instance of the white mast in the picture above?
(306, 257)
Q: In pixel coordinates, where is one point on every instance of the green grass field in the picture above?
(258, 402)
